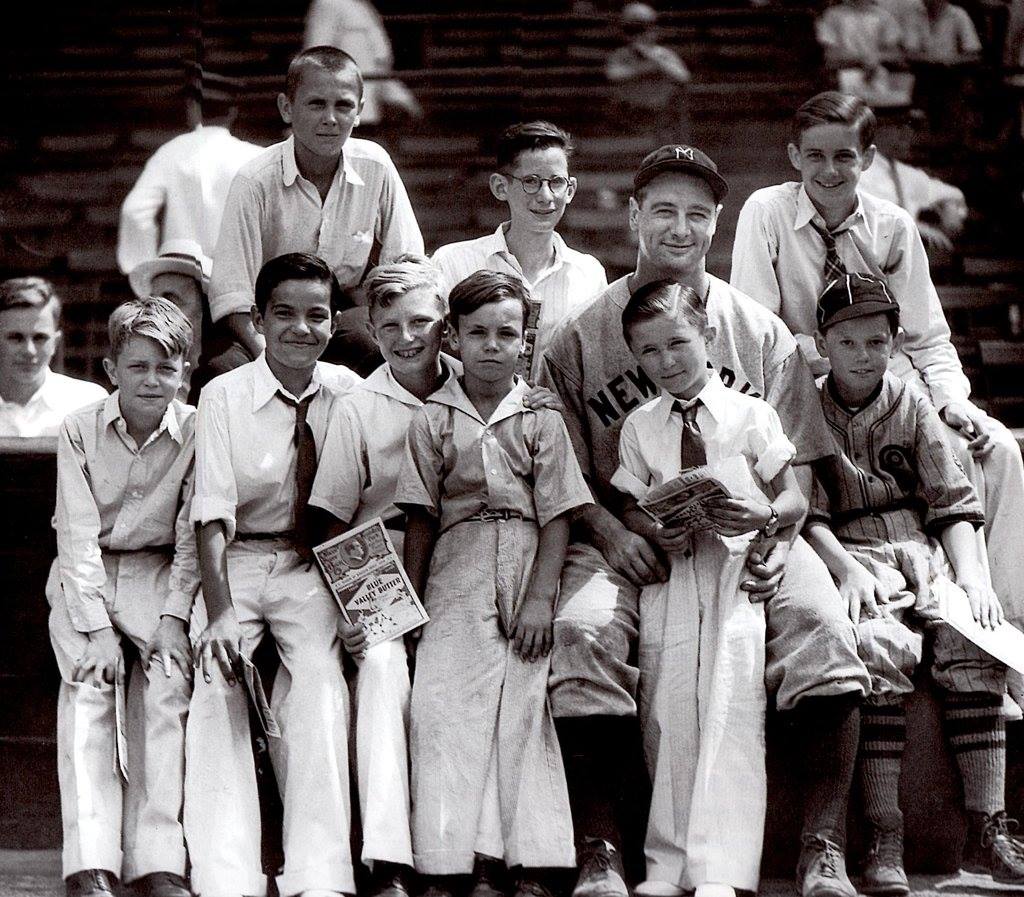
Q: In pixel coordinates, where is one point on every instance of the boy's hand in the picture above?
(539, 397)
(766, 562)
(353, 637)
(170, 645)
(531, 632)
(863, 592)
(972, 425)
(221, 641)
(736, 516)
(631, 555)
(672, 538)
(985, 606)
(99, 662)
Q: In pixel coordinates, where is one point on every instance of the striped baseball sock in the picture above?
(977, 735)
(883, 735)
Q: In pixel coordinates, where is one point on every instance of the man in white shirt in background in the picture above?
(532, 177)
(34, 399)
(181, 192)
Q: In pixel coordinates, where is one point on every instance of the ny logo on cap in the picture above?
(686, 151)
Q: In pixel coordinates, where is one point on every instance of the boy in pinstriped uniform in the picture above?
(878, 507)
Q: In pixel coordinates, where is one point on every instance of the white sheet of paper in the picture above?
(1005, 643)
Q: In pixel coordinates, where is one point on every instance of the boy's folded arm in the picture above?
(961, 546)
(856, 585)
(184, 580)
(222, 639)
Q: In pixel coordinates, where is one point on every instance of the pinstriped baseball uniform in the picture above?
(894, 486)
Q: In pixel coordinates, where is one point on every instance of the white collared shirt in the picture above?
(365, 445)
(272, 209)
(245, 448)
(572, 279)
(778, 259)
(180, 194)
(42, 414)
(907, 186)
(116, 496)
(732, 426)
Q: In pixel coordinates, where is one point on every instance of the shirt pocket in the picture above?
(354, 256)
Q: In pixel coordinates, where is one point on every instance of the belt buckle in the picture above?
(489, 514)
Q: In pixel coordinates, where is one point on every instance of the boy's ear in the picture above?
(570, 191)
(335, 322)
(868, 157)
(897, 342)
(284, 107)
(709, 334)
(452, 335)
(499, 186)
(819, 343)
(793, 151)
(111, 370)
(256, 317)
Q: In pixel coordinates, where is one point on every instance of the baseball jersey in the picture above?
(894, 472)
(599, 381)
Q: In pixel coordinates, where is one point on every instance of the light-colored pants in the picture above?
(134, 829)
(273, 588)
(487, 773)
(702, 709)
(382, 752)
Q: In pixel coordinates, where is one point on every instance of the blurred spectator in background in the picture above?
(181, 192)
(860, 40)
(648, 80)
(943, 47)
(356, 27)
(33, 398)
(181, 274)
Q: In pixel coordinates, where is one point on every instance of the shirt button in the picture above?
(687, 554)
(494, 472)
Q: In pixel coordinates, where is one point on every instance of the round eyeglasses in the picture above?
(532, 183)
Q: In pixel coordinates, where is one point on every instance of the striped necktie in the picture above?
(305, 467)
(691, 446)
(834, 267)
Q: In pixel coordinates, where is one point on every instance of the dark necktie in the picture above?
(834, 268)
(305, 466)
(691, 445)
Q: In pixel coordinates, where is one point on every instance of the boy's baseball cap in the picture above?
(176, 257)
(680, 157)
(855, 296)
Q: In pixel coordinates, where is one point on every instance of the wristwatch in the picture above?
(772, 526)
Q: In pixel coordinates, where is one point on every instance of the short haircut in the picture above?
(663, 298)
(834, 108)
(154, 317)
(531, 135)
(410, 271)
(484, 288)
(298, 266)
(330, 59)
(30, 292)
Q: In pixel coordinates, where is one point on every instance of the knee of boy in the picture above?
(886, 645)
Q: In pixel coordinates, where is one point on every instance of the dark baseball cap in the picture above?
(855, 296)
(680, 157)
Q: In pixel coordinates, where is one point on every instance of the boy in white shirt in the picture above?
(260, 431)
(702, 641)
(33, 398)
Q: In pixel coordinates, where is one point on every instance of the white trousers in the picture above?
(272, 588)
(129, 829)
(702, 707)
(382, 752)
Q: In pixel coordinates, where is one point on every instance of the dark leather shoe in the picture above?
(821, 871)
(161, 884)
(490, 877)
(390, 879)
(995, 851)
(90, 883)
(601, 872)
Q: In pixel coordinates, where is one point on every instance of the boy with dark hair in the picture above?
(260, 432)
(33, 398)
(532, 177)
(794, 238)
(894, 487)
(320, 191)
(125, 575)
(488, 486)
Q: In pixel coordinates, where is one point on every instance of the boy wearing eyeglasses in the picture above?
(532, 177)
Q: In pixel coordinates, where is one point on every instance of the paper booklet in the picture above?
(258, 698)
(366, 577)
(1005, 643)
(683, 500)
